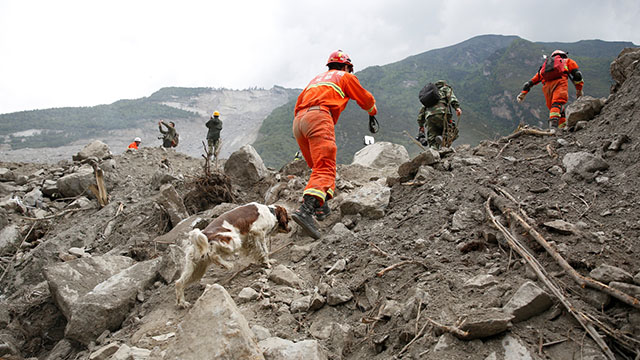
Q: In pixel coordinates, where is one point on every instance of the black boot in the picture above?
(323, 211)
(304, 216)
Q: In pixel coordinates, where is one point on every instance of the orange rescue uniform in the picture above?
(133, 145)
(556, 92)
(316, 113)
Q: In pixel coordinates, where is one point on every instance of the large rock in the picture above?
(107, 305)
(70, 281)
(370, 200)
(77, 183)
(582, 164)
(7, 175)
(623, 66)
(381, 155)
(482, 323)
(527, 302)
(172, 203)
(607, 273)
(245, 166)
(408, 170)
(96, 149)
(275, 348)
(583, 109)
(227, 332)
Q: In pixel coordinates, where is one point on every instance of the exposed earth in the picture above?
(410, 265)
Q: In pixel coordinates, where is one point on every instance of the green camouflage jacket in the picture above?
(447, 97)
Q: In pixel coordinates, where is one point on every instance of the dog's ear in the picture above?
(283, 217)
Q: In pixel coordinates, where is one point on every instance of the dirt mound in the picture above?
(409, 284)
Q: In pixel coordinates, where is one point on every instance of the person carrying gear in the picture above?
(316, 114)
(136, 142)
(213, 135)
(554, 74)
(169, 136)
(437, 116)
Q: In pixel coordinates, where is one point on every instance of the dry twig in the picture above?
(64, 212)
(450, 329)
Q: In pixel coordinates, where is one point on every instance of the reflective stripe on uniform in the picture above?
(330, 193)
(554, 115)
(315, 192)
(331, 85)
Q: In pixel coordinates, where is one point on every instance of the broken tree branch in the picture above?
(524, 221)
(450, 329)
(527, 131)
(539, 270)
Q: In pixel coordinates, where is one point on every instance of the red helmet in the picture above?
(559, 52)
(339, 57)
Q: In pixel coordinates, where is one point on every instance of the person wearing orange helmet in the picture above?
(316, 114)
(554, 74)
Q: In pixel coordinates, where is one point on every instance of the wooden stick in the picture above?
(577, 277)
(528, 131)
(381, 272)
(504, 147)
(538, 269)
(450, 329)
(379, 250)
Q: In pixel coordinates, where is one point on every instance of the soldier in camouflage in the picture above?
(435, 116)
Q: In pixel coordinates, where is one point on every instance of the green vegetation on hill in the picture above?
(486, 72)
(61, 126)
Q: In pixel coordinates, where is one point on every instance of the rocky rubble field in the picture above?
(422, 258)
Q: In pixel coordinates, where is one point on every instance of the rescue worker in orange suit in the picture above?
(316, 114)
(556, 92)
(136, 142)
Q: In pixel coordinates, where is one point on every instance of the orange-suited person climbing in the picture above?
(316, 113)
(554, 74)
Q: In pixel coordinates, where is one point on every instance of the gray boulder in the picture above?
(381, 155)
(527, 302)
(7, 175)
(69, 281)
(109, 303)
(370, 200)
(583, 109)
(482, 323)
(228, 334)
(282, 275)
(607, 273)
(582, 165)
(172, 204)
(408, 170)
(275, 348)
(77, 183)
(96, 149)
(624, 65)
(245, 166)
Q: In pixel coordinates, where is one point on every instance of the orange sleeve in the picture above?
(571, 66)
(355, 91)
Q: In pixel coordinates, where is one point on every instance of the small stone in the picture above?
(338, 294)
(607, 273)
(481, 281)
(247, 294)
(300, 304)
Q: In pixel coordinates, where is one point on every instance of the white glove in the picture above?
(521, 97)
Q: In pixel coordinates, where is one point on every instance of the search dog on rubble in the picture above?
(241, 230)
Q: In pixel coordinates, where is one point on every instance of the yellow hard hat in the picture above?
(216, 113)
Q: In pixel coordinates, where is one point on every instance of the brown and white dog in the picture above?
(243, 229)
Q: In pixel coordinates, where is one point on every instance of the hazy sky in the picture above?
(57, 53)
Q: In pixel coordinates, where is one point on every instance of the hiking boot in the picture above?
(323, 211)
(439, 141)
(304, 216)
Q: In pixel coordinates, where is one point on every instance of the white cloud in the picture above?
(83, 53)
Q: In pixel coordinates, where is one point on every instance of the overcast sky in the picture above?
(58, 53)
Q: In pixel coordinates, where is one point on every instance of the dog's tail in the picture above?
(200, 243)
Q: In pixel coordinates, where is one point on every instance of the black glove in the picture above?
(373, 124)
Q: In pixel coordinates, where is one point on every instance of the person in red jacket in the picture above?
(556, 90)
(316, 114)
(136, 142)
